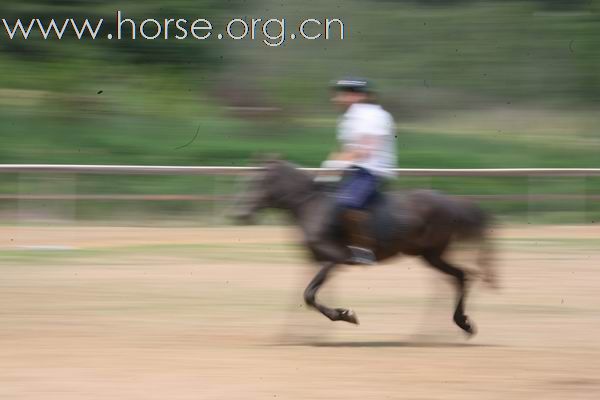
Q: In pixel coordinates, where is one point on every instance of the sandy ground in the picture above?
(140, 313)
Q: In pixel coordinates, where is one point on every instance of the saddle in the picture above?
(380, 219)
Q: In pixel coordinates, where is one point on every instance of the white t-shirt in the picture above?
(370, 119)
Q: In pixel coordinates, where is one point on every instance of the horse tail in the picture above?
(474, 224)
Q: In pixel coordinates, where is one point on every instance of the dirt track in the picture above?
(137, 313)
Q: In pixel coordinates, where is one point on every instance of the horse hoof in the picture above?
(348, 316)
(470, 330)
(466, 325)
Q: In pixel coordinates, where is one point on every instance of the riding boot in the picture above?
(361, 241)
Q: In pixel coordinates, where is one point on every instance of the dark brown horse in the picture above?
(418, 223)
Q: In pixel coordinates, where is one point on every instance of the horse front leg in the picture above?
(310, 297)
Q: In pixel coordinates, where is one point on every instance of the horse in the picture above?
(419, 223)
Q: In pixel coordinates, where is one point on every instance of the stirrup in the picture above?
(361, 256)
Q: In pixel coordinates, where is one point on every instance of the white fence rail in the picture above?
(74, 170)
(36, 195)
(206, 170)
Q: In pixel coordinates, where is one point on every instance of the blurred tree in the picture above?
(564, 4)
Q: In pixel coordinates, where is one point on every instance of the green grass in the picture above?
(487, 84)
(252, 253)
(277, 253)
(226, 141)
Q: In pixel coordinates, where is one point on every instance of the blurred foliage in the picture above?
(472, 83)
(499, 50)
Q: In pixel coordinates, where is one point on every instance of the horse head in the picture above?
(278, 184)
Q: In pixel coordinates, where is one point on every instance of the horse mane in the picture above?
(291, 170)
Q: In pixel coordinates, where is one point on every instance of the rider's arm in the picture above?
(358, 150)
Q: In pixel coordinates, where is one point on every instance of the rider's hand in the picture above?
(331, 176)
(335, 164)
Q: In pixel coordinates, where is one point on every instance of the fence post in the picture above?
(529, 195)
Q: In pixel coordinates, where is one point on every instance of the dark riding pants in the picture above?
(357, 189)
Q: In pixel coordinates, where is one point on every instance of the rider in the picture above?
(367, 153)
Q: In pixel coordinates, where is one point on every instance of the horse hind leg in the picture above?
(435, 260)
(310, 298)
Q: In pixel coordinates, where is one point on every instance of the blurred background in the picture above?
(128, 286)
(471, 83)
